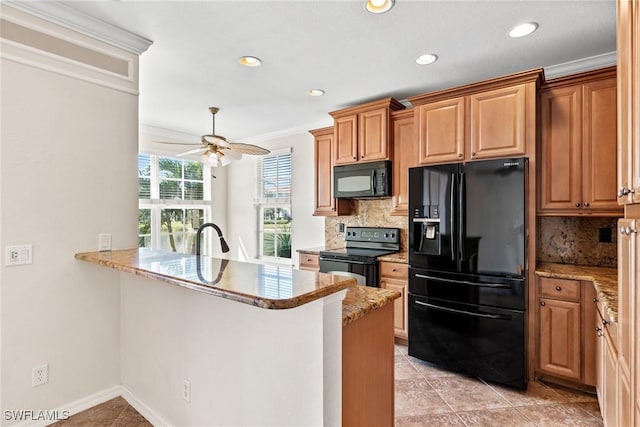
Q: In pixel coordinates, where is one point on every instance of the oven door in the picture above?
(475, 340)
(364, 272)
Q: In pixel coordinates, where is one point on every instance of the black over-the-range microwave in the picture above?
(362, 180)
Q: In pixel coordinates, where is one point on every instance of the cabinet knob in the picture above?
(598, 331)
(605, 322)
(473, 154)
(577, 205)
(586, 205)
(558, 288)
(459, 154)
(354, 157)
(623, 191)
(595, 300)
(542, 303)
(394, 270)
(362, 156)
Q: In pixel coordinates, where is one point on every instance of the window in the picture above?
(274, 205)
(173, 201)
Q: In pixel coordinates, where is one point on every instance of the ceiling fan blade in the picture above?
(194, 151)
(218, 140)
(248, 149)
(175, 143)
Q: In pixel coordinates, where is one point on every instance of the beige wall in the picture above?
(67, 173)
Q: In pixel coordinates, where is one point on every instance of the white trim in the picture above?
(68, 17)
(145, 410)
(168, 133)
(580, 65)
(297, 130)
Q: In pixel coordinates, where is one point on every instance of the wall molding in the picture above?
(73, 19)
(580, 65)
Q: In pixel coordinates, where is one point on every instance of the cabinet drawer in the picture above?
(559, 288)
(310, 261)
(394, 270)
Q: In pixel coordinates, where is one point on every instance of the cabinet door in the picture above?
(610, 388)
(441, 131)
(625, 78)
(498, 122)
(626, 287)
(346, 140)
(599, 187)
(309, 262)
(405, 155)
(559, 338)
(373, 135)
(400, 319)
(589, 337)
(560, 148)
(325, 203)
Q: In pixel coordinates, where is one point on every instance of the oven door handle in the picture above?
(466, 313)
(344, 261)
(465, 282)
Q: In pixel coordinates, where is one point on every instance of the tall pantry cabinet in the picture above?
(628, 77)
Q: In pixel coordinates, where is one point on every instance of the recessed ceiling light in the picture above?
(315, 92)
(250, 61)
(523, 29)
(426, 59)
(379, 6)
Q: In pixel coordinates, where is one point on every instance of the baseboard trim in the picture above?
(145, 410)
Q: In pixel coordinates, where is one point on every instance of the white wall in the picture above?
(68, 173)
(307, 230)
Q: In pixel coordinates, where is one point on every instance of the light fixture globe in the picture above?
(379, 6)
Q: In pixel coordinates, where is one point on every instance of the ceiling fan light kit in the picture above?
(216, 149)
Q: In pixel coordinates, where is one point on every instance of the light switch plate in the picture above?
(104, 242)
(18, 255)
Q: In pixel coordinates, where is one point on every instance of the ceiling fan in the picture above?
(216, 149)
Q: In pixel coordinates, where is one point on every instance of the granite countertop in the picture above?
(605, 280)
(361, 300)
(399, 257)
(265, 286)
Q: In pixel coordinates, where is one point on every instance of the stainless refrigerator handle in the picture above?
(467, 313)
(465, 282)
(452, 216)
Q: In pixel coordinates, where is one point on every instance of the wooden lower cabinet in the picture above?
(368, 370)
(309, 261)
(395, 276)
(606, 366)
(566, 343)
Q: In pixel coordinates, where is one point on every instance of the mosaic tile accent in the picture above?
(574, 240)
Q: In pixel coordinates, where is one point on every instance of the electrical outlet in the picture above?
(186, 390)
(18, 255)
(40, 375)
(104, 242)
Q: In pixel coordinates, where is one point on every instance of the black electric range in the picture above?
(359, 258)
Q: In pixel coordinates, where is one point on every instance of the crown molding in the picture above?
(68, 17)
(580, 65)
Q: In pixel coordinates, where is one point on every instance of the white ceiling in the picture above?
(337, 46)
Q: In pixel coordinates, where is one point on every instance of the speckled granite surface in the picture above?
(265, 286)
(574, 240)
(400, 257)
(361, 300)
(604, 279)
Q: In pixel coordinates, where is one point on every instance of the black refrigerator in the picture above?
(467, 254)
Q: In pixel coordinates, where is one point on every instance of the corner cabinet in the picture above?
(395, 276)
(577, 158)
(325, 203)
(491, 119)
(362, 133)
(566, 342)
(405, 156)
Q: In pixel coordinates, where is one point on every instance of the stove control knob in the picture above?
(386, 235)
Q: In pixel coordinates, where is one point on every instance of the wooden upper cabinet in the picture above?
(577, 149)
(498, 122)
(491, 119)
(362, 133)
(440, 131)
(325, 203)
(405, 155)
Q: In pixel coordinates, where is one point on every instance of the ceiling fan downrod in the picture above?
(213, 110)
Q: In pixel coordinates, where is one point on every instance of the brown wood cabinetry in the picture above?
(606, 366)
(405, 155)
(395, 276)
(309, 261)
(325, 203)
(362, 133)
(566, 343)
(490, 119)
(577, 145)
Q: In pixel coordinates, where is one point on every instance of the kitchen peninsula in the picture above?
(275, 348)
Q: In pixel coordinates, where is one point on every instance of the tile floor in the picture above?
(429, 397)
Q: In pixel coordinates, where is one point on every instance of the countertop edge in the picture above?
(253, 300)
(362, 300)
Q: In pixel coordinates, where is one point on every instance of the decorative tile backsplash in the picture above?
(575, 240)
(366, 213)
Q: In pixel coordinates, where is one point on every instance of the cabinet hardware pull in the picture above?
(459, 154)
(394, 270)
(542, 303)
(577, 205)
(595, 300)
(473, 154)
(623, 191)
(598, 331)
(605, 322)
(558, 288)
(586, 205)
